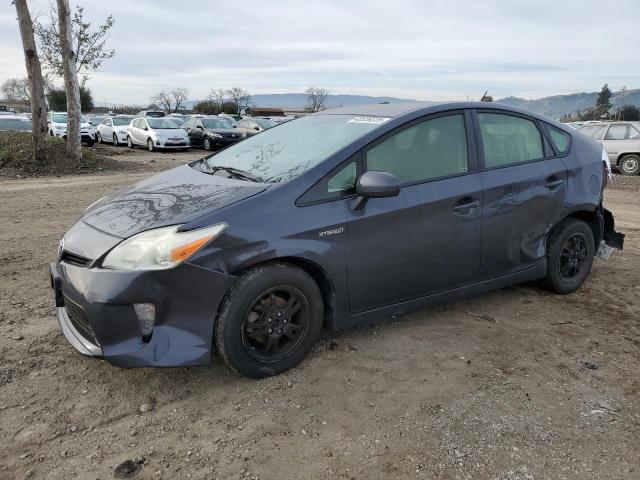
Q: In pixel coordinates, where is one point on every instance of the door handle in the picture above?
(468, 204)
(554, 183)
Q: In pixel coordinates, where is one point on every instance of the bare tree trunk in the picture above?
(74, 139)
(36, 83)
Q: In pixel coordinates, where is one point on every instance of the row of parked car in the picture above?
(154, 131)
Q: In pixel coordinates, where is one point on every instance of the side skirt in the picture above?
(346, 320)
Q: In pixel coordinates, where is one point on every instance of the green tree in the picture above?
(206, 108)
(57, 99)
(230, 107)
(630, 113)
(603, 103)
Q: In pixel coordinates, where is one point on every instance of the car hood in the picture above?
(170, 132)
(223, 130)
(173, 197)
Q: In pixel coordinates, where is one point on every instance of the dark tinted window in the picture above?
(430, 149)
(560, 140)
(508, 139)
(14, 124)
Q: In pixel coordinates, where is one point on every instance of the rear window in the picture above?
(592, 131)
(559, 139)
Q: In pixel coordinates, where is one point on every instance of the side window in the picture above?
(560, 140)
(431, 149)
(507, 139)
(143, 124)
(344, 180)
(339, 182)
(618, 132)
(242, 124)
(635, 134)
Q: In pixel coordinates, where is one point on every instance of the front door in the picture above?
(427, 239)
(524, 192)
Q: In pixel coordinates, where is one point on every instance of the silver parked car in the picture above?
(114, 129)
(622, 141)
(156, 133)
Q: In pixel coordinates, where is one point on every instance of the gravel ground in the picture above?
(515, 384)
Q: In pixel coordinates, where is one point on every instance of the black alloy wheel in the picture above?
(276, 322)
(573, 256)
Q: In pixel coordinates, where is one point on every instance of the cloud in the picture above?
(435, 49)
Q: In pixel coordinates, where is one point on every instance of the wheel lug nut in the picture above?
(271, 330)
(284, 321)
(279, 314)
(269, 320)
(279, 330)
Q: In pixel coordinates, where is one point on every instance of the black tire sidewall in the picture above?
(627, 157)
(554, 280)
(98, 138)
(228, 336)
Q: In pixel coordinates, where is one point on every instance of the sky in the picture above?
(423, 50)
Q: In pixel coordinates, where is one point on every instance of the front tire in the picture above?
(115, 140)
(570, 253)
(207, 143)
(98, 138)
(269, 321)
(129, 142)
(150, 145)
(629, 164)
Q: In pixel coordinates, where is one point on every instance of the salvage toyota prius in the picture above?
(333, 220)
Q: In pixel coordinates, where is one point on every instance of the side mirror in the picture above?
(256, 128)
(146, 129)
(199, 127)
(375, 184)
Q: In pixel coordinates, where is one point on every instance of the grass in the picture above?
(16, 158)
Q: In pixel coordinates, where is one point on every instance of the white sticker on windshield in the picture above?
(373, 120)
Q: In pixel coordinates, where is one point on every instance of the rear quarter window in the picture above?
(560, 140)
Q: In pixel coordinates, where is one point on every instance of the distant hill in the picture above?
(559, 105)
(554, 107)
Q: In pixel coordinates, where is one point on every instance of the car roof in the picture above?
(393, 110)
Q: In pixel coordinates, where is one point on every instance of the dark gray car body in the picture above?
(436, 241)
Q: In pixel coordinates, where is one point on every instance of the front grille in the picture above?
(73, 259)
(79, 320)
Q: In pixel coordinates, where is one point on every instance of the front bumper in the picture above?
(96, 315)
(223, 142)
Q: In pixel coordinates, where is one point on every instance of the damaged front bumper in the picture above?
(95, 309)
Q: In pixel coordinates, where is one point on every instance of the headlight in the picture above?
(160, 248)
(216, 135)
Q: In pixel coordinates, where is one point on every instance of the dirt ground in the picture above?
(515, 384)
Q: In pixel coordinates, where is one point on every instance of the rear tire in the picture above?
(629, 164)
(570, 252)
(269, 320)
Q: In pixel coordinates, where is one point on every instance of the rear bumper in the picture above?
(96, 315)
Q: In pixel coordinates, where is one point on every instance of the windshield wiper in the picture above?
(233, 172)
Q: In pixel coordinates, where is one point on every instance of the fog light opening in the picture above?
(146, 313)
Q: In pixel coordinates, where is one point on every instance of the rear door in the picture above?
(427, 239)
(525, 184)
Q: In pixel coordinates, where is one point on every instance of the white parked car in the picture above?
(156, 133)
(114, 129)
(15, 123)
(58, 127)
